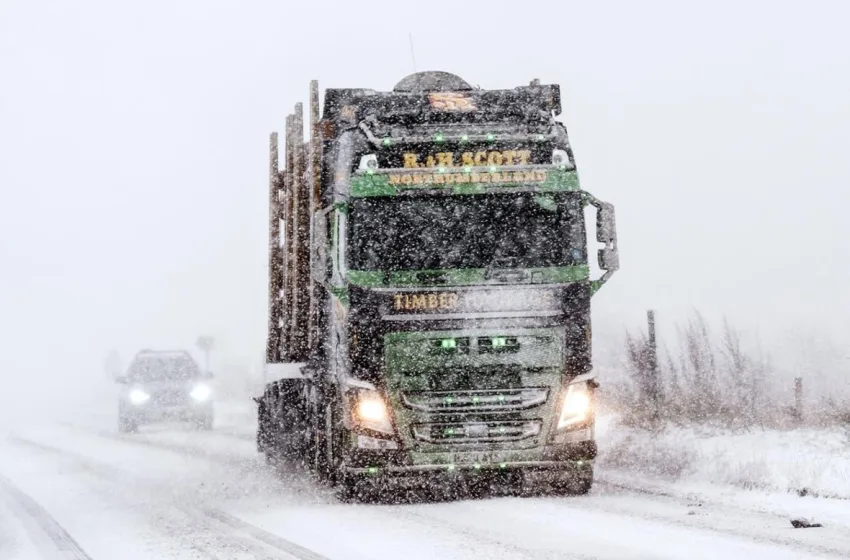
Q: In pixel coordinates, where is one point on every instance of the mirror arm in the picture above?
(599, 282)
(587, 198)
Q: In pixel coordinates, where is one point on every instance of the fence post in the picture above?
(653, 384)
(798, 399)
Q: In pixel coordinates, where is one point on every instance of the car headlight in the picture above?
(201, 392)
(577, 405)
(370, 411)
(138, 396)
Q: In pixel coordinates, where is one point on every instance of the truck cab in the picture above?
(451, 248)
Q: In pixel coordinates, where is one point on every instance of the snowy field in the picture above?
(77, 486)
(805, 461)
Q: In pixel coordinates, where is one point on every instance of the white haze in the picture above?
(133, 166)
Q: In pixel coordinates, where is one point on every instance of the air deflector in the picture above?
(423, 82)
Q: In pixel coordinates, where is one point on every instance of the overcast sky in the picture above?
(133, 150)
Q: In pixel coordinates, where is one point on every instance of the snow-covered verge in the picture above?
(15, 542)
(802, 461)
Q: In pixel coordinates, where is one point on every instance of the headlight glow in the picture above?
(371, 412)
(138, 396)
(577, 406)
(201, 392)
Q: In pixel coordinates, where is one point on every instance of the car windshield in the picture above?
(162, 369)
(515, 230)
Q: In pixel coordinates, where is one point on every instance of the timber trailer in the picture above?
(429, 291)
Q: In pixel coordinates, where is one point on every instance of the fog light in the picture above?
(366, 442)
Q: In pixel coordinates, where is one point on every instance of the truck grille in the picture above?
(477, 401)
(477, 432)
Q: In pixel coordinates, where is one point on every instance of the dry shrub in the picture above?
(701, 379)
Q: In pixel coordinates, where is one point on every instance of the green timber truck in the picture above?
(429, 291)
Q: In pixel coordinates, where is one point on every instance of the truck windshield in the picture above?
(162, 369)
(511, 230)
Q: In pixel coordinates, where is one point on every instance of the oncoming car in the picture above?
(164, 385)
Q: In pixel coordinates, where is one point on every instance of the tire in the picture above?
(333, 462)
(345, 486)
(351, 489)
(578, 485)
(323, 464)
(127, 425)
(261, 437)
(272, 458)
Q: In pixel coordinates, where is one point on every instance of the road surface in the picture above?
(80, 490)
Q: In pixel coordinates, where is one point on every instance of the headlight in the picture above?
(201, 392)
(577, 406)
(370, 411)
(138, 396)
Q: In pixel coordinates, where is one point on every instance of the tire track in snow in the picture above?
(475, 534)
(484, 540)
(241, 462)
(235, 433)
(262, 535)
(769, 533)
(65, 544)
(192, 451)
(211, 517)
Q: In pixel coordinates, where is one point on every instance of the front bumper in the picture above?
(556, 457)
(514, 478)
(529, 466)
(146, 414)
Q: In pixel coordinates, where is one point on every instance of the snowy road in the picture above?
(80, 490)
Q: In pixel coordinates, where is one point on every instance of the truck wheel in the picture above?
(323, 449)
(578, 484)
(332, 459)
(127, 425)
(350, 489)
(272, 459)
(262, 428)
(345, 486)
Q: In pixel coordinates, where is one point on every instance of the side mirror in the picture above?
(609, 259)
(606, 224)
(208, 375)
(121, 380)
(319, 254)
(606, 232)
